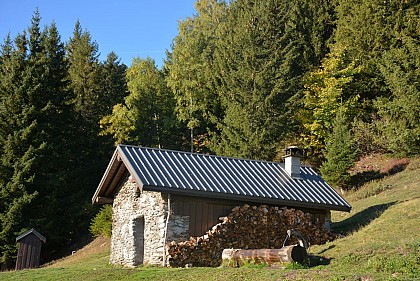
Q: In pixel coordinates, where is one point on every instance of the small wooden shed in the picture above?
(30, 243)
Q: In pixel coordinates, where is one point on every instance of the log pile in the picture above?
(247, 227)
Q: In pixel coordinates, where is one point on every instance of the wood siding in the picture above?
(29, 252)
(203, 214)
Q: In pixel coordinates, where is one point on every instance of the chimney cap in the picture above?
(293, 150)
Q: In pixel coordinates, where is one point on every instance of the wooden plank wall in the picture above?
(203, 215)
(29, 252)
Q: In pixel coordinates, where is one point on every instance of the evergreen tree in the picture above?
(88, 99)
(32, 100)
(382, 36)
(364, 27)
(400, 68)
(263, 51)
(84, 74)
(340, 152)
(113, 83)
(18, 152)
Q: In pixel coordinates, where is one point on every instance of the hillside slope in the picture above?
(380, 241)
(382, 232)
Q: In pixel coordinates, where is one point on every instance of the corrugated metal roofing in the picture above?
(223, 177)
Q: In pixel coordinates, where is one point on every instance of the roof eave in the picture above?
(101, 187)
(118, 156)
(32, 231)
(256, 199)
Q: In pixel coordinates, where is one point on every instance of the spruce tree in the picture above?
(18, 152)
(36, 141)
(382, 36)
(28, 110)
(400, 69)
(263, 51)
(112, 82)
(89, 151)
(84, 74)
(340, 153)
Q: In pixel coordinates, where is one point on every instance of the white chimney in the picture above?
(292, 161)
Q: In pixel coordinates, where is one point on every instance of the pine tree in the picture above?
(29, 103)
(112, 82)
(263, 51)
(340, 153)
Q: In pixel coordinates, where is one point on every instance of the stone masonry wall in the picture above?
(130, 209)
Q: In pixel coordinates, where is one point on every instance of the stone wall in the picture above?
(138, 224)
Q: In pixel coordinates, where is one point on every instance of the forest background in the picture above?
(243, 78)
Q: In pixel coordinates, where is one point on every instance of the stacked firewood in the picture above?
(247, 227)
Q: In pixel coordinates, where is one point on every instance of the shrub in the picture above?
(101, 224)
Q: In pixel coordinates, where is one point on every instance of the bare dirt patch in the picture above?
(374, 167)
(380, 163)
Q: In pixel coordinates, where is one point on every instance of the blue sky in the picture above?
(136, 28)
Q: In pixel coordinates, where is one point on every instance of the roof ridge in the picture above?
(36, 233)
(198, 154)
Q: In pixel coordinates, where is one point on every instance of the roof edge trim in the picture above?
(263, 200)
(105, 176)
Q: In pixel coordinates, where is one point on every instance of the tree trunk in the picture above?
(238, 257)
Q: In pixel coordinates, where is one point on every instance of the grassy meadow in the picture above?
(380, 241)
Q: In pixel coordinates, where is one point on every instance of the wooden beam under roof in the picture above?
(104, 200)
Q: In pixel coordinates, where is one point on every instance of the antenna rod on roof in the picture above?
(192, 140)
(192, 127)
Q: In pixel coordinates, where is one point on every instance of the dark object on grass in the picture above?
(30, 243)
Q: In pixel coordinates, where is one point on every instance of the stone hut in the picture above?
(160, 196)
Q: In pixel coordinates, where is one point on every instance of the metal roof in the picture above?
(36, 233)
(216, 177)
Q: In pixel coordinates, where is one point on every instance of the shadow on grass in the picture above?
(315, 260)
(360, 219)
(360, 179)
(394, 167)
(329, 248)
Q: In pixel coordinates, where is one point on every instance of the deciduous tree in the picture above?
(147, 116)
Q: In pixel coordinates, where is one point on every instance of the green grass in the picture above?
(381, 241)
